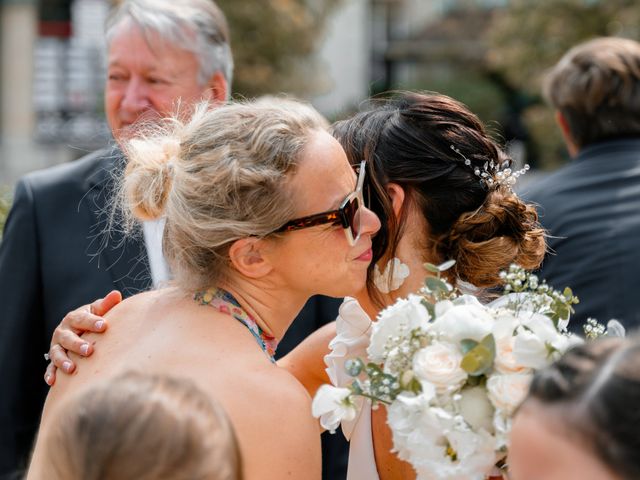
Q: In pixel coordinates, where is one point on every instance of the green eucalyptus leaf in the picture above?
(479, 359)
(467, 345)
(431, 267)
(443, 267)
(435, 284)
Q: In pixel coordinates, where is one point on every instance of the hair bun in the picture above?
(504, 230)
(149, 174)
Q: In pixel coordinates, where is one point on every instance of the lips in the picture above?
(365, 256)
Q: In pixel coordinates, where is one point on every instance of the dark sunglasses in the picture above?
(348, 215)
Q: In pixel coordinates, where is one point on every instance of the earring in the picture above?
(392, 277)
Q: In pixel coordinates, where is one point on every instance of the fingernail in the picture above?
(66, 366)
(47, 379)
(84, 349)
(99, 324)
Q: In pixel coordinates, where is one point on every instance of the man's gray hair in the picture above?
(177, 22)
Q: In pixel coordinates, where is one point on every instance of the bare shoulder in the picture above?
(280, 426)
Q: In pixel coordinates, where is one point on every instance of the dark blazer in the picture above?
(591, 209)
(58, 252)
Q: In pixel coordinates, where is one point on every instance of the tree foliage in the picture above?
(274, 43)
(527, 38)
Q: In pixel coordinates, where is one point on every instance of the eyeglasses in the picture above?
(348, 215)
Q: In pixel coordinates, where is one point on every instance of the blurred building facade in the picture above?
(52, 69)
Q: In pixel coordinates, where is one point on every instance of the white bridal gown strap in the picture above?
(353, 328)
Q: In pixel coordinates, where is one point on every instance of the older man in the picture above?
(59, 249)
(591, 207)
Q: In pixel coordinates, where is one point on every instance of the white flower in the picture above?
(505, 361)
(538, 342)
(333, 405)
(507, 392)
(476, 409)
(469, 320)
(396, 321)
(439, 364)
(392, 277)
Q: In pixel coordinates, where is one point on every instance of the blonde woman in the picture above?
(144, 427)
(262, 211)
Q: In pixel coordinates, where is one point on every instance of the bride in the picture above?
(440, 186)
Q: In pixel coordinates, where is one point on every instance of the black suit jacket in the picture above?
(591, 209)
(59, 252)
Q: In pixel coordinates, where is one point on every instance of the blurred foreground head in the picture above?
(582, 412)
(143, 427)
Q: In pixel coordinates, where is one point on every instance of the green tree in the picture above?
(528, 37)
(274, 43)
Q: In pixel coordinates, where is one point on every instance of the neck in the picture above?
(272, 310)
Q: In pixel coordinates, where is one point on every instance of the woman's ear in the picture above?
(396, 194)
(247, 257)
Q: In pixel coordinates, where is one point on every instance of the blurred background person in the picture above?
(140, 427)
(581, 419)
(591, 207)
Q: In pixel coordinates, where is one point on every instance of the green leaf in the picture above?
(435, 284)
(479, 359)
(431, 267)
(430, 308)
(443, 267)
(468, 345)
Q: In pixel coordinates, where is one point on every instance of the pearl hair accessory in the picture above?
(493, 173)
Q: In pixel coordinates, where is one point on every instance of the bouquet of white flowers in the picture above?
(451, 371)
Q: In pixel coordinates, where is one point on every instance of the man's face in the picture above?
(147, 76)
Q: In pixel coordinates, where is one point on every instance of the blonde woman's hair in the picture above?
(219, 177)
(143, 427)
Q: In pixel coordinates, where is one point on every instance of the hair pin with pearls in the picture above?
(493, 173)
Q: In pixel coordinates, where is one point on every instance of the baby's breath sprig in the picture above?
(547, 300)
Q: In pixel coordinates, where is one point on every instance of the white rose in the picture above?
(507, 392)
(398, 320)
(471, 321)
(506, 361)
(439, 364)
(476, 409)
(333, 405)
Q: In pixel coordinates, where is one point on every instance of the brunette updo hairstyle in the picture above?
(220, 177)
(592, 393)
(408, 140)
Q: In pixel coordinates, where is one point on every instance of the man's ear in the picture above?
(572, 147)
(396, 194)
(217, 88)
(247, 257)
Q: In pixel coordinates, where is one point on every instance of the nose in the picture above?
(135, 99)
(370, 223)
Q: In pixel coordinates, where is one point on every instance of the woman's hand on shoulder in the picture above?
(67, 337)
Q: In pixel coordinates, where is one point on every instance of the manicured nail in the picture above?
(47, 378)
(66, 366)
(84, 349)
(99, 324)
